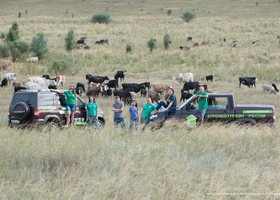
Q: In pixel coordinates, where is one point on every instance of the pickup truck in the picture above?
(221, 107)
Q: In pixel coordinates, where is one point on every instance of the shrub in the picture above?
(39, 45)
(4, 51)
(166, 41)
(128, 48)
(151, 44)
(26, 12)
(87, 47)
(3, 35)
(17, 49)
(69, 41)
(11, 36)
(19, 14)
(169, 12)
(188, 16)
(62, 67)
(15, 28)
(101, 18)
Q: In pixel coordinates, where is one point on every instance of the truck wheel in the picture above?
(21, 111)
(101, 123)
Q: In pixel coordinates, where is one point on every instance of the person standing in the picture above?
(148, 108)
(133, 115)
(71, 103)
(92, 112)
(202, 96)
(118, 108)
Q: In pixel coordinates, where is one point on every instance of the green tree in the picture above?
(128, 48)
(188, 16)
(39, 45)
(69, 41)
(62, 67)
(151, 44)
(11, 36)
(4, 51)
(169, 12)
(15, 28)
(166, 41)
(101, 18)
(17, 49)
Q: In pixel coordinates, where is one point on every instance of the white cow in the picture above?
(10, 77)
(33, 59)
(44, 83)
(33, 86)
(183, 78)
(269, 88)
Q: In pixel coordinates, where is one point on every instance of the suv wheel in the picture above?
(21, 111)
(52, 125)
(101, 123)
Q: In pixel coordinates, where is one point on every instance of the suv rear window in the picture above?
(46, 99)
(21, 97)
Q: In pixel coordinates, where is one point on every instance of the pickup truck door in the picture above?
(80, 114)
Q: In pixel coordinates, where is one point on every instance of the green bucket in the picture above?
(191, 121)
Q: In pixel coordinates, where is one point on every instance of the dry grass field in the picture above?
(209, 162)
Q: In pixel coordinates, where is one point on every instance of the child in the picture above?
(133, 115)
(92, 112)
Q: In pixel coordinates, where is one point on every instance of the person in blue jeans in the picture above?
(202, 96)
(170, 105)
(118, 109)
(133, 115)
(92, 112)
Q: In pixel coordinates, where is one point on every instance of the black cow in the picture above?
(88, 76)
(189, 38)
(120, 75)
(81, 86)
(80, 41)
(4, 82)
(52, 87)
(190, 86)
(147, 85)
(185, 96)
(143, 92)
(97, 79)
(125, 95)
(108, 93)
(19, 88)
(113, 84)
(46, 76)
(209, 78)
(275, 87)
(249, 81)
(102, 41)
(133, 86)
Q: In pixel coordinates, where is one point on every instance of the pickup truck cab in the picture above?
(221, 107)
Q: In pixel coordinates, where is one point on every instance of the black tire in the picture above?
(21, 111)
(52, 125)
(101, 123)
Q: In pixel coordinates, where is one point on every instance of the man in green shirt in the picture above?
(202, 102)
(146, 111)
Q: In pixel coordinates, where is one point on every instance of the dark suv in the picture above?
(41, 107)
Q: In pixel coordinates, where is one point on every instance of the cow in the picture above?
(120, 75)
(249, 81)
(255, 41)
(205, 42)
(81, 40)
(195, 44)
(183, 78)
(189, 38)
(190, 86)
(18, 88)
(269, 88)
(153, 95)
(125, 95)
(79, 91)
(102, 41)
(133, 95)
(185, 96)
(80, 46)
(108, 92)
(184, 48)
(4, 66)
(147, 85)
(4, 82)
(103, 89)
(18, 84)
(159, 87)
(143, 92)
(10, 77)
(209, 78)
(46, 76)
(94, 91)
(32, 59)
(54, 87)
(8, 62)
(35, 86)
(92, 85)
(97, 79)
(113, 84)
(60, 80)
(88, 76)
(275, 87)
(133, 86)
(42, 82)
(81, 86)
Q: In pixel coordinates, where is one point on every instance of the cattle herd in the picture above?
(97, 85)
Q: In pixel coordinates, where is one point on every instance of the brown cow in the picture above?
(4, 66)
(195, 44)
(159, 87)
(18, 84)
(153, 95)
